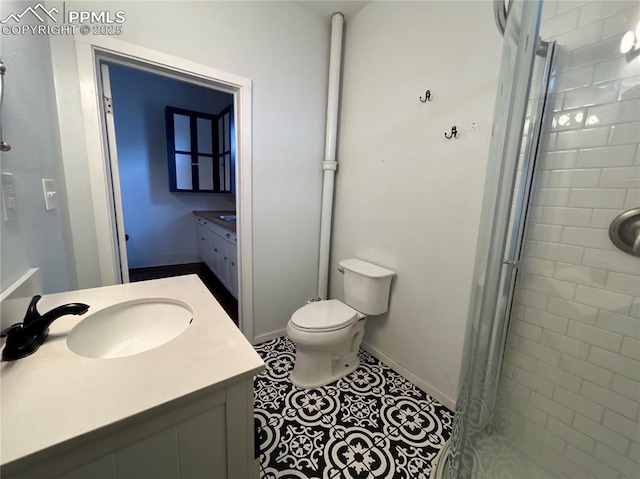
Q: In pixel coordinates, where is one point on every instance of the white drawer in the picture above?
(221, 231)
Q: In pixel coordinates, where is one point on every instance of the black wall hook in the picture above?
(454, 133)
(427, 96)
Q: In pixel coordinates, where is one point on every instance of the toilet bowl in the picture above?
(327, 334)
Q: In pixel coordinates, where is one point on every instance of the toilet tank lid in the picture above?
(366, 269)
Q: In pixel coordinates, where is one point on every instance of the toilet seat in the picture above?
(324, 316)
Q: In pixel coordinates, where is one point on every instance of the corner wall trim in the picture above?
(408, 375)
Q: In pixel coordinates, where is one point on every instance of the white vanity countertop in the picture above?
(54, 395)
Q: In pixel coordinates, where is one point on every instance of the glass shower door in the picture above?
(494, 270)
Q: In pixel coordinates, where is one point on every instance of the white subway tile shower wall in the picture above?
(571, 379)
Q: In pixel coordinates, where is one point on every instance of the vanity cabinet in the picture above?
(217, 246)
(211, 436)
(180, 410)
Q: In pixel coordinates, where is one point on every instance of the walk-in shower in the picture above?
(550, 385)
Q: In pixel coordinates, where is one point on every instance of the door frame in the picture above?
(89, 51)
(109, 138)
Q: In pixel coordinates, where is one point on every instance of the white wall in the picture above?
(160, 224)
(407, 198)
(571, 380)
(32, 237)
(283, 49)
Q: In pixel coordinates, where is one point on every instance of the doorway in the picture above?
(171, 155)
(110, 227)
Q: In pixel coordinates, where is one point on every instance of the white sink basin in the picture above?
(129, 328)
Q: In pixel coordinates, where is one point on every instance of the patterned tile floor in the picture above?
(370, 424)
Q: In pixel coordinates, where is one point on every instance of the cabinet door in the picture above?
(192, 151)
(225, 156)
(203, 247)
(214, 252)
(224, 262)
(233, 270)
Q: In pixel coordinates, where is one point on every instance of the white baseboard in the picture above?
(269, 336)
(163, 260)
(405, 373)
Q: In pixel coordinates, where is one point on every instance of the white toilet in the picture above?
(327, 334)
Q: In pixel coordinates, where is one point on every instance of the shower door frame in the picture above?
(487, 324)
(525, 191)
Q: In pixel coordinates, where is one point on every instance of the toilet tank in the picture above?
(366, 286)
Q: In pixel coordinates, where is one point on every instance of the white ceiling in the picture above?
(327, 8)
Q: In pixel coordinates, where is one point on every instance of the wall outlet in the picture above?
(8, 196)
(49, 190)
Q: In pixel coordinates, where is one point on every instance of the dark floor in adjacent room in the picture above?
(222, 295)
(370, 424)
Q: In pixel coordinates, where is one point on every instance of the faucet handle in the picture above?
(31, 315)
(32, 311)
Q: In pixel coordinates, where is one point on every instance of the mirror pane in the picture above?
(220, 135)
(227, 172)
(182, 133)
(205, 136)
(205, 173)
(184, 179)
(227, 135)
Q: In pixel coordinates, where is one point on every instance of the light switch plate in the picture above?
(49, 190)
(8, 188)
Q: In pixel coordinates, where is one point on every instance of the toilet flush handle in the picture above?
(340, 269)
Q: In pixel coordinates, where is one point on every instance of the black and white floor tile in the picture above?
(371, 424)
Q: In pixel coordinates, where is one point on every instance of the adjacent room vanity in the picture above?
(181, 409)
(217, 246)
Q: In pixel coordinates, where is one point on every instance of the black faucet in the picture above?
(26, 337)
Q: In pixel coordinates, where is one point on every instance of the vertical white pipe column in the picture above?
(329, 165)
